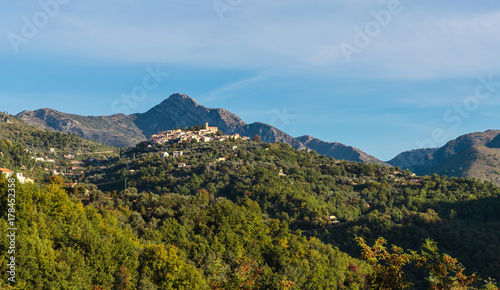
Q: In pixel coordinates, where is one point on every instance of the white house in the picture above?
(8, 173)
(178, 153)
(332, 219)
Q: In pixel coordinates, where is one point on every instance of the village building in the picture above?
(8, 173)
(211, 128)
(332, 219)
(207, 134)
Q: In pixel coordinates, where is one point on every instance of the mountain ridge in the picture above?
(178, 110)
(469, 155)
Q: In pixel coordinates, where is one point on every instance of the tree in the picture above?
(56, 180)
(122, 279)
(444, 271)
(256, 138)
(167, 270)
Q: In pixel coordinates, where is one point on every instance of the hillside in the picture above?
(304, 188)
(478, 161)
(470, 155)
(240, 212)
(35, 151)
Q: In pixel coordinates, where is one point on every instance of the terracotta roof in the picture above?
(5, 170)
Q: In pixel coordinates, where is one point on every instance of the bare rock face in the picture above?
(339, 151)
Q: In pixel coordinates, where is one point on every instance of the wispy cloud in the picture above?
(294, 35)
(232, 89)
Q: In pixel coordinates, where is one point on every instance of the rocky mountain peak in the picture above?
(182, 98)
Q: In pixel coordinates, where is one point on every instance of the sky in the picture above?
(382, 76)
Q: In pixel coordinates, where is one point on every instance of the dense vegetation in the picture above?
(186, 243)
(243, 215)
(302, 189)
(22, 144)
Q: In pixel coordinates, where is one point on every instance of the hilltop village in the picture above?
(207, 134)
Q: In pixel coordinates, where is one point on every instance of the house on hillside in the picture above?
(178, 153)
(8, 173)
(332, 219)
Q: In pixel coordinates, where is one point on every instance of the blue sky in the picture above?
(407, 79)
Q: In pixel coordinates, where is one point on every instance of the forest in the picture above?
(247, 215)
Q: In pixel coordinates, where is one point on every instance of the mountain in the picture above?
(470, 155)
(478, 161)
(339, 151)
(417, 161)
(116, 130)
(182, 111)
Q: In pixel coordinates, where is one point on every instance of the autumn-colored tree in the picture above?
(388, 266)
(56, 180)
(122, 279)
(444, 271)
(256, 138)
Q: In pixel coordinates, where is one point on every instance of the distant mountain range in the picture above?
(182, 111)
(471, 155)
